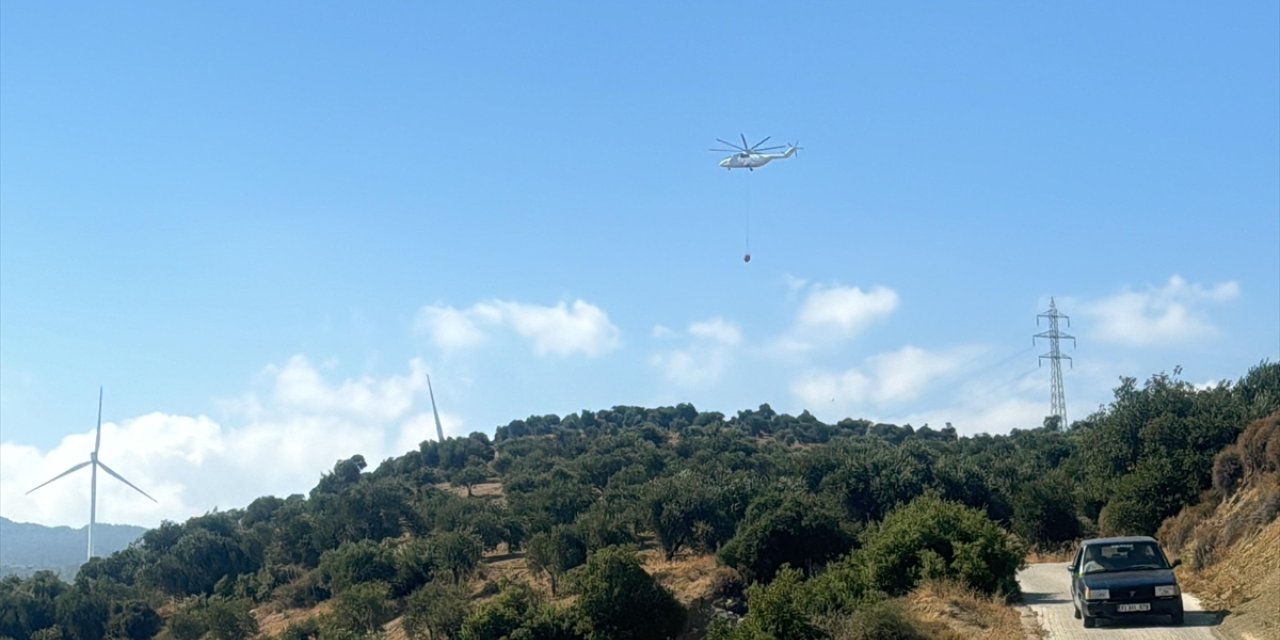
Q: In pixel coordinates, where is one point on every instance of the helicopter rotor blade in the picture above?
(782, 146)
(766, 139)
(745, 146)
(731, 144)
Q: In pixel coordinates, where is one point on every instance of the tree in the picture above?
(364, 607)
(790, 527)
(555, 552)
(354, 563)
(469, 476)
(618, 600)
(457, 552)
(437, 611)
(134, 619)
(503, 616)
(229, 619)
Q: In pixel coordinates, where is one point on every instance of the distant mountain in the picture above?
(26, 548)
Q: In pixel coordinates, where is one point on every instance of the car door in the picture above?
(1074, 567)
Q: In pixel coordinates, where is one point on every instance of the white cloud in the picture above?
(704, 358)
(716, 330)
(449, 328)
(277, 442)
(1158, 315)
(560, 330)
(884, 379)
(835, 314)
(299, 388)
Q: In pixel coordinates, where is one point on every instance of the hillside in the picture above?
(26, 548)
(1230, 541)
(668, 522)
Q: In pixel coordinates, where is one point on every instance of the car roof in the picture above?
(1117, 540)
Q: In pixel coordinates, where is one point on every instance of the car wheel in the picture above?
(1090, 622)
(1176, 618)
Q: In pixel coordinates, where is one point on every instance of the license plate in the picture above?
(1130, 608)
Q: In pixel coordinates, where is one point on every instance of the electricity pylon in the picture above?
(1058, 401)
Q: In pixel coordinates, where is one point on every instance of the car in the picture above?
(1115, 578)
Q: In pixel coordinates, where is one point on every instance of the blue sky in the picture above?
(259, 227)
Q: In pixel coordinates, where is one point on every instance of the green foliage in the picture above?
(555, 553)
(469, 476)
(776, 611)
(932, 538)
(619, 600)
(789, 527)
(218, 617)
(877, 620)
(517, 613)
(135, 620)
(693, 509)
(1043, 513)
(457, 552)
(82, 612)
(596, 479)
(354, 563)
(436, 611)
(364, 607)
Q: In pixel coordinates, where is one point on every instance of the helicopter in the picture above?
(754, 156)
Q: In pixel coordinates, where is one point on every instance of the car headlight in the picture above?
(1166, 590)
(1096, 594)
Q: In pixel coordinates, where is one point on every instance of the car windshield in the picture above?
(1126, 556)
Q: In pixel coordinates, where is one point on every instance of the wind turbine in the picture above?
(93, 482)
(439, 431)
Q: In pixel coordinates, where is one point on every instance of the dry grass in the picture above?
(1060, 554)
(1231, 558)
(488, 490)
(274, 622)
(692, 578)
(963, 613)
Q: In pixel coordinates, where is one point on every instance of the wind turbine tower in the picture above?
(1058, 402)
(94, 462)
(439, 431)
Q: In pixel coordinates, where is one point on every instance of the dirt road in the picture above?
(1046, 589)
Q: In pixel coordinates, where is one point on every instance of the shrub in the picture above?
(364, 607)
(880, 620)
(619, 600)
(436, 611)
(932, 538)
(355, 563)
(1228, 471)
(1259, 444)
(306, 591)
(797, 530)
(776, 610)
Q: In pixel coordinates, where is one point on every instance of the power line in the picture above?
(1058, 401)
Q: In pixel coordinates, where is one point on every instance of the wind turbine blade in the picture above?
(71, 470)
(121, 479)
(97, 442)
(439, 430)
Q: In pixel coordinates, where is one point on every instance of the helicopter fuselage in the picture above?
(754, 161)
